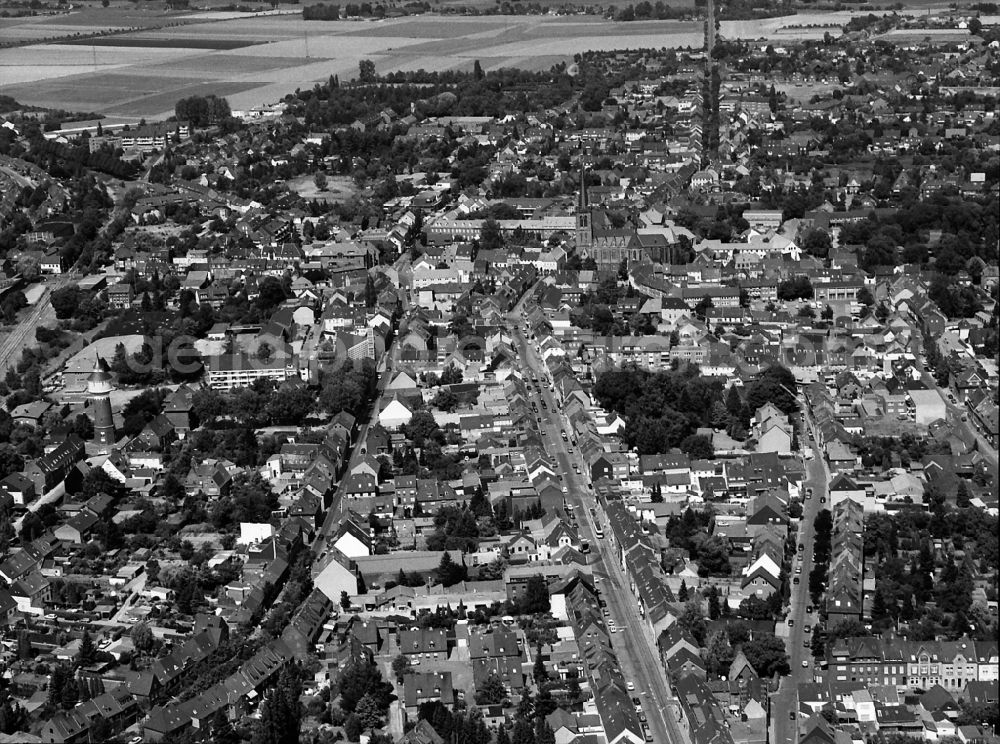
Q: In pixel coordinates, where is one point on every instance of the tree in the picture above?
(698, 447)
(755, 608)
(366, 71)
(202, 111)
(656, 494)
(142, 637)
(320, 180)
(369, 713)
(962, 495)
(797, 288)
(692, 619)
(345, 601)
(682, 593)
(536, 596)
(777, 385)
(766, 654)
(477, 70)
(445, 401)
(353, 728)
(490, 237)
(714, 608)
(10, 460)
(362, 678)
(85, 655)
(65, 301)
(702, 307)
(400, 664)
(24, 649)
(449, 572)
(713, 557)
(539, 672)
(719, 654)
(523, 732)
(493, 691)
(817, 243)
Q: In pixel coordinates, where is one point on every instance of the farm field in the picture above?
(803, 26)
(254, 60)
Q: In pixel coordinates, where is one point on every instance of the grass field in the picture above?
(338, 188)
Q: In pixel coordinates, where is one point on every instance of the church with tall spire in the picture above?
(597, 238)
(584, 228)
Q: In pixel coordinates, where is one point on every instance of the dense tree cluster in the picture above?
(202, 111)
(929, 593)
(465, 726)
(662, 408)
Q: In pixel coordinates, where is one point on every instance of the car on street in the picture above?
(809, 609)
(798, 570)
(795, 580)
(630, 686)
(791, 715)
(791, 622)
(802, 546)
(822, 499)
(805, 663)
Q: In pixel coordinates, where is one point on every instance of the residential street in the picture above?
(635, 649)
(783, 702)
(385, 368)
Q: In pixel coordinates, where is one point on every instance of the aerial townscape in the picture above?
(499, 373)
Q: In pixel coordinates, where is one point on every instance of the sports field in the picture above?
(252, 60)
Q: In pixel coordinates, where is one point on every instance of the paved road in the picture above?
(635, 649)
(335, 512)
(783, 702)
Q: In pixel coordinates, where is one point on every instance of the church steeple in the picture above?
(584, 229)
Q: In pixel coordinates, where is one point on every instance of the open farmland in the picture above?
(254, 60)
(805, 25)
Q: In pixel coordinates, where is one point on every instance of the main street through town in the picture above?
(334, 515)
(634, 647)
(784, 715)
